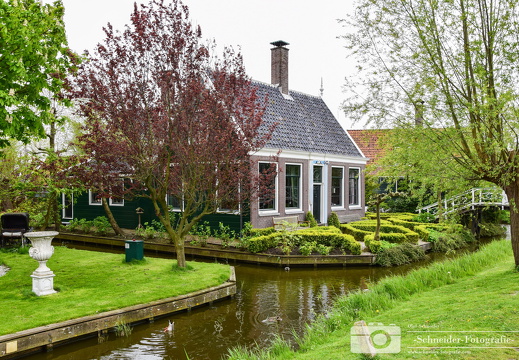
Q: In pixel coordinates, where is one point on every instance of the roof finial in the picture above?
(322, 87)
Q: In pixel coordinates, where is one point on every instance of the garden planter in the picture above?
(41, 251)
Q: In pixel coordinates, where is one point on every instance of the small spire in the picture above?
(322, 87)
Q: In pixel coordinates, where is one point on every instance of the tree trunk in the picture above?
(512, 192)
(377, 231)
(111, 219)
(174, 236)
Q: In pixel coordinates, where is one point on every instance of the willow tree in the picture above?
(461, 58)
(163, 110)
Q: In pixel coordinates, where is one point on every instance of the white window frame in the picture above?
(91, 201)
(174, 209)
(359, 205)
(341, 205)
(63, 210)
(275, 211)
(299, 209)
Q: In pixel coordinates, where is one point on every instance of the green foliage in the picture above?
(307, 248)
(491, 230)
(333, 220)
(452, 239)
(263, 242)
(311, 219)
(399, 255)
(147, 231)
(424, 217)
(101, 225)
(262, 232)
(35, 62)
(325, 236)
(391, 233)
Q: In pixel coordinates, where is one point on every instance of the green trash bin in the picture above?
(134, 250)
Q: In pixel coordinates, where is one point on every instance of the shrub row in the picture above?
(328, 236)
(261, 232)
(390, 233)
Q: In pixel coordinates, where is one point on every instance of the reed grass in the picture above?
(427, 293)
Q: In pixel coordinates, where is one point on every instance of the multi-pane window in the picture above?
(293, 186)
(354, 188)
(267, 198)
(337, 186)
(94, 198)
(67, 203)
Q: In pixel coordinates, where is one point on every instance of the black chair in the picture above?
(15, 225)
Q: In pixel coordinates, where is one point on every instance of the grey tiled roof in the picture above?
(304, 123)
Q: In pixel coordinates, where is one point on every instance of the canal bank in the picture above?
(471, 313)
(97, 293)
(233, 256)
(45, 338)
(297, 296)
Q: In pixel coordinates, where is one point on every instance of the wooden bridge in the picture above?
(470, 200)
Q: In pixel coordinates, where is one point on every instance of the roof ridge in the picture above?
(276, 86)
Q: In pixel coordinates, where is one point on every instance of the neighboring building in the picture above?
(370, 142)
(320, 168)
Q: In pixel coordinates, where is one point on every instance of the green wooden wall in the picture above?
(127, 217)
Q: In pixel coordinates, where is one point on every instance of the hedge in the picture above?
(356, 233)
(262, 232)
(264, 242)
(387, 232)
(329, 236)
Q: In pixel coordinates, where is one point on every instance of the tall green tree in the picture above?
(461, 58)
(34, 63)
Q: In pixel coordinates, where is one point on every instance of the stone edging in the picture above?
(45, 337)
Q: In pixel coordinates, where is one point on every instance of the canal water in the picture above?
(296, 297)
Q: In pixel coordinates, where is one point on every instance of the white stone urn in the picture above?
(41, 251)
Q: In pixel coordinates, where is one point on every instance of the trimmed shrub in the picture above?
(311, 220)
(389, 232)
(333, 220)
(261, 232)
(262, 243)
(356, 233)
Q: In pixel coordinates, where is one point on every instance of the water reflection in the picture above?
(296, 296)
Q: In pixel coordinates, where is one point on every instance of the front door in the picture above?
(317, 203)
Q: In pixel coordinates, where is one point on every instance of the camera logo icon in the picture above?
(375, 338)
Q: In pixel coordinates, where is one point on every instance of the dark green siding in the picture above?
(127, 217)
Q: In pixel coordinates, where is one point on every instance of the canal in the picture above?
(296, 296)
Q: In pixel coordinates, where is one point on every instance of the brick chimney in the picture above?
(279, 65)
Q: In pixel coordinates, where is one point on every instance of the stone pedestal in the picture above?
(41, 251)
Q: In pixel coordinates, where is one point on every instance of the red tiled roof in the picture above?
(369, 142)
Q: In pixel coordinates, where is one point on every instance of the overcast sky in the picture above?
(310, 27)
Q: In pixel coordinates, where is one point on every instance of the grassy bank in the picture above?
(458, 309)
(91, 282)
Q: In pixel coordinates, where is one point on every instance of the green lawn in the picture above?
(92, 282)
(465, 308)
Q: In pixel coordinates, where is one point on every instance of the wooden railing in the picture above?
(469, 200)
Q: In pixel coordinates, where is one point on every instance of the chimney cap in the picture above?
(279, 43)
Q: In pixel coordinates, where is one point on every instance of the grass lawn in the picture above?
(92, 282)
(460, 309)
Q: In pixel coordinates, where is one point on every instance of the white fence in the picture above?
(469, 200)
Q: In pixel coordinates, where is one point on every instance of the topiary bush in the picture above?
(333, 220)
(311, 219)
